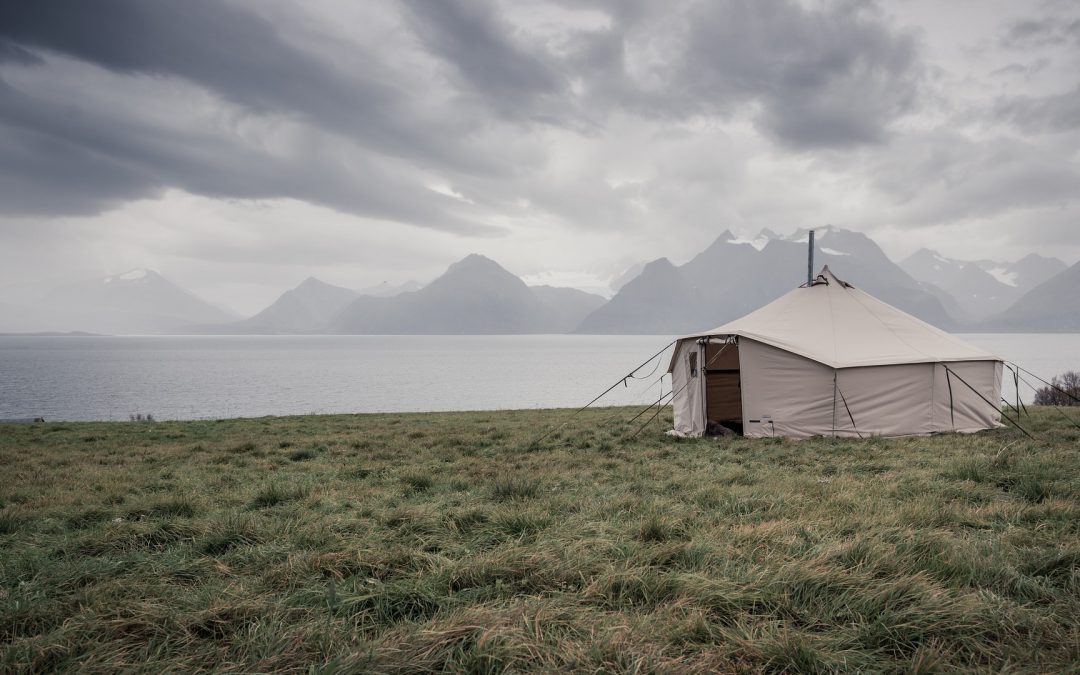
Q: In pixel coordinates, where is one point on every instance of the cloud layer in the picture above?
(556, 136)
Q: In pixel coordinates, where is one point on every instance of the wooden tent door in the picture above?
(723, 387)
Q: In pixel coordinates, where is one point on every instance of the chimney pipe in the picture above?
(810, 261)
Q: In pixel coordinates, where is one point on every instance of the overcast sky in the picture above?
(239, 147)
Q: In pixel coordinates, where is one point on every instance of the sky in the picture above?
(240, 147)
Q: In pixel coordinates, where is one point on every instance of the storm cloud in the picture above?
(587, 133)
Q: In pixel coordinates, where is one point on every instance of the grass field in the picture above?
(404, 543)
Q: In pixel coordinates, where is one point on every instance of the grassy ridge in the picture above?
(447, 541)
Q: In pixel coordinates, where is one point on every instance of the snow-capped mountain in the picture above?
(137, 302)
(982, 287)
(730, 277)
(734, 276)
(1026, 273)
(976, 289)
(1052, 306)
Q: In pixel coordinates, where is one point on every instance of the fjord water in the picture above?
(196, 377)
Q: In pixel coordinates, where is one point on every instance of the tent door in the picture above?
(723, 387)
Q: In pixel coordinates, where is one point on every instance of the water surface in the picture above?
(195, 377)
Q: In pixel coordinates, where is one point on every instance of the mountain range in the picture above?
(730, 277)
(982, 287)
(1052, 307)
(138, 302)
(735, 276)
(308, 308)
(474, 296)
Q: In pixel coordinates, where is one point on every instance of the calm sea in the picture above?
(185, 377)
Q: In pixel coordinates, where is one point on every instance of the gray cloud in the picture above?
(832, 77)
(1040, 114)
(829, 78)
(837, 76)
(236, 54)
(63, 164)
(1041, 32)
(68, 161)
(42, 172)
(513, 80)
(13, 53)
(622, 123)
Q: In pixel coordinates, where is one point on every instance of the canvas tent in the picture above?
(829, 359)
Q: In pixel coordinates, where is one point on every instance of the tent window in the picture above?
(693, 364)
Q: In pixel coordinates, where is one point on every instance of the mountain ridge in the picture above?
(137, 302)
(475, 295)
(732, 277)
(1052, 306)
(729, 277)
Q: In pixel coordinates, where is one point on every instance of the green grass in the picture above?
(421, 543)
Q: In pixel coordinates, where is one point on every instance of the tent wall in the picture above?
(885, 400)
(788, 395)
(969, 412)
(784, 394)
(689, 384)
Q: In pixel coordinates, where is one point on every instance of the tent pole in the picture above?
(850, 416)
(703, 384)
(1016, 386)
(952, 410)
(834, 403)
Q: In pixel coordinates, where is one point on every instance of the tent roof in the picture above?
(836, 324)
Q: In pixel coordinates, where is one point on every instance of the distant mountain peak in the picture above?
(478, 272)
(1036, 258)
(312, 282)
(475, 263)
(658, 264)
(139, 301)
(1053, 305)
(475, 259)
(475, 295)
(931, 255)
(759, 242)
(721, 241)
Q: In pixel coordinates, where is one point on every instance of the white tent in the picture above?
(828, 359)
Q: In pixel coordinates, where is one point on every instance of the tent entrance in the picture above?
(723, 387)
